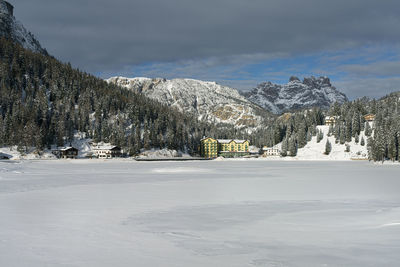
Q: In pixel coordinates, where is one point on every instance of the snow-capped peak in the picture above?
(208, 100)
(13, 29)
(296, 94)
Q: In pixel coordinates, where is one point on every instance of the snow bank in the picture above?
(161, 153)
(32, 153)
(315, 151)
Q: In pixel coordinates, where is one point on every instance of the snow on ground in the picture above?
(315, 151)
(162, 153)
(199, 213)
(32, 153)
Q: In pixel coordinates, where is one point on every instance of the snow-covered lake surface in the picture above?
(212, 213)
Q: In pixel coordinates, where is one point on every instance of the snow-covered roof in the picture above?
(102, 146)
(224, 141)
(66, 148)
(331, 117)
(270, 148)
(239, 141)
(105, 147)
(205, 138)
(227, 141)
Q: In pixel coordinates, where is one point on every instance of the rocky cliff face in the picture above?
(208, 100)
(12, 29)
(311, 92)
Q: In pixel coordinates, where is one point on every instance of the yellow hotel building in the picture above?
(212, 148)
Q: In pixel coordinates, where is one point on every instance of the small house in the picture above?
(107, 151)
(369, 117)
(271, 151)
(66, 152)
(330, 120)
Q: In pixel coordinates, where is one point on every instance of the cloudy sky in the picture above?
(234, 42)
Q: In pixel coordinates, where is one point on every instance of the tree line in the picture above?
(44, 102)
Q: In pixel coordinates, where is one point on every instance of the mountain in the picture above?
(207, 100)
(12, 29)
(44, 102)
(312, 92)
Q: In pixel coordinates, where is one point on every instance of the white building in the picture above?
(271, 151)
(106, 151)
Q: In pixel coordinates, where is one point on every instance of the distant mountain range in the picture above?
(311, 92)
(222, 104)
(207, 100)
(10, 28)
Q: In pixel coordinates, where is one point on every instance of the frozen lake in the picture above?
(213, 213)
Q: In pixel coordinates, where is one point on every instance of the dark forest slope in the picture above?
(44, 102)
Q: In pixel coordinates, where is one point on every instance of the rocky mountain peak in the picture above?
(317, 82)
(10, 28)
(312, 92)
(6, 8)
(207, 100)
(294, 79)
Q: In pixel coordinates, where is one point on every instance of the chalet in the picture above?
(271, 151)
(211, 148)
(369, 117)
(66, 152)
(106, 151)
(330, 120)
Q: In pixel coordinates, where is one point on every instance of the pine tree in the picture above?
(292, 146)
(284, 147)
(342, 136)
(367, 130)
(328, 147)
(362, 141)
(347, 148)
(320, 136)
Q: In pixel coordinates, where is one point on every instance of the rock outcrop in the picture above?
(312, 92)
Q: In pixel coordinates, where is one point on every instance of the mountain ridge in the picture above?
(296, 94)
(11, 28)
(207, 100)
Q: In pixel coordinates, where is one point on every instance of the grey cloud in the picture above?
(371, 87)
(382, 68)
(100, 35)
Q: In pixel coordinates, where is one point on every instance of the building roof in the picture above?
(240, 141)
(67, 148)
(270, 148)
(205, 138)
(224, 141)
(227, 141)
(331, 117)
(105, 147)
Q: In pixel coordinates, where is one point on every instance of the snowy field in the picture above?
(215, 213)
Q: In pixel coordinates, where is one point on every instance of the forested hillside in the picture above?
(44, 102)
(385, 143)
(294, 130)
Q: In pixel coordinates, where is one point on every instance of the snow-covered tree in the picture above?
(328, 147)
